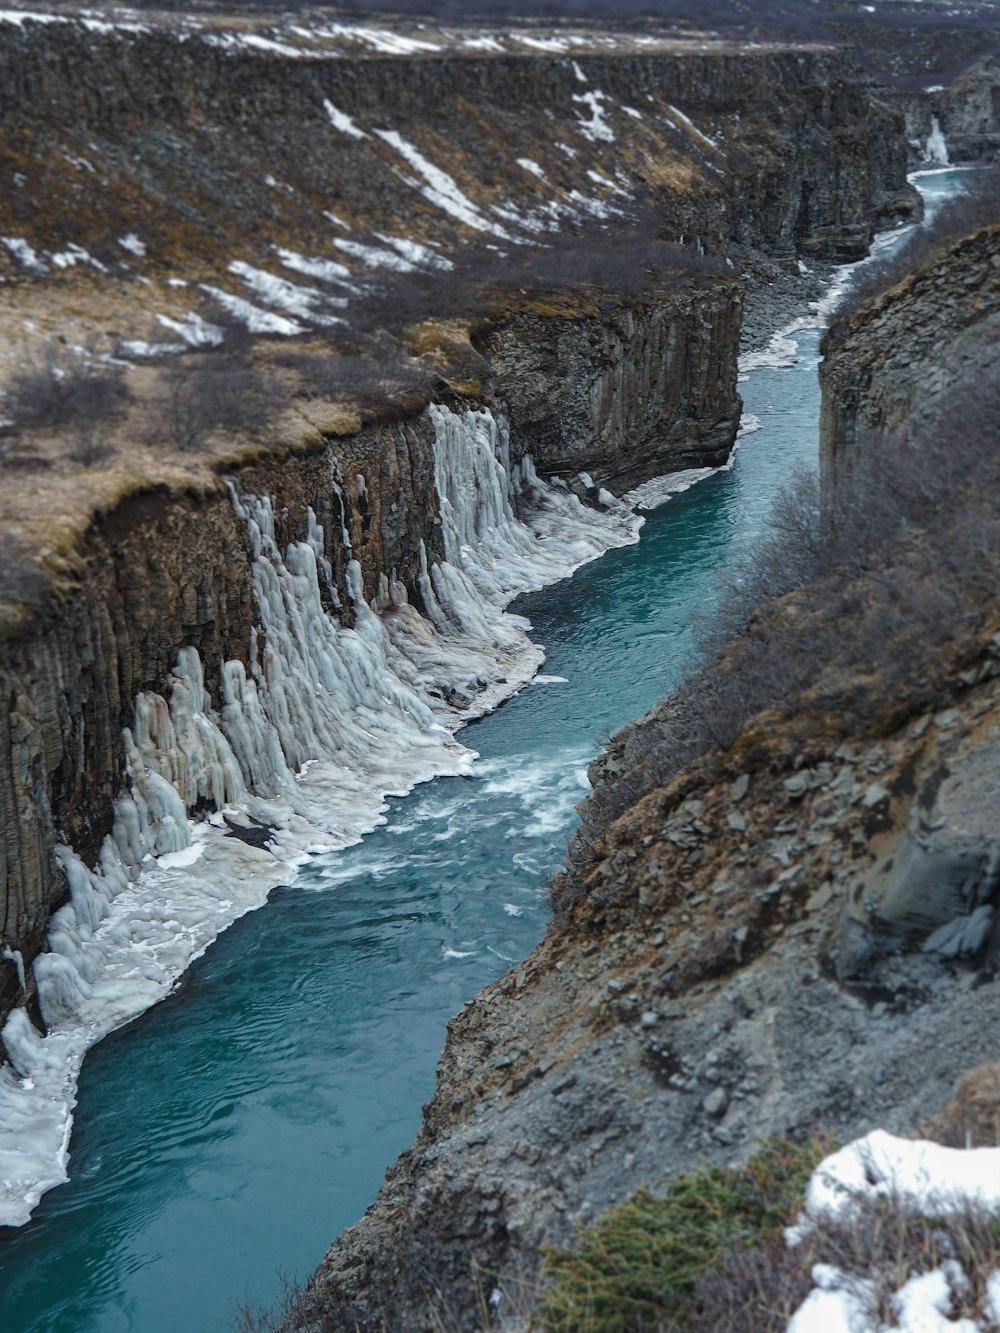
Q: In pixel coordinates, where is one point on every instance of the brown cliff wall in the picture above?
(648, 387)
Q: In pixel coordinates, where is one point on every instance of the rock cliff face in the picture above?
(645, 389)
(793, 935)
(161, 572)
(884, 368)
(172, 135)
(966, 112)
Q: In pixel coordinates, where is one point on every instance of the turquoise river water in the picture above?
(235, 1129)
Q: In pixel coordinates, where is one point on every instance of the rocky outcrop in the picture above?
(965, 111)
(641, 389)
(885, 367)
(691, 1007)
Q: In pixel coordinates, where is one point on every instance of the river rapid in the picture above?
(235, 1128)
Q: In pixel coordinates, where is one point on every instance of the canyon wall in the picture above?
(165, 570)
(643, 390)
(174, 132)
(886, 366)
(965, 110)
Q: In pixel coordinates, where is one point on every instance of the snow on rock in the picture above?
(439, 188)
(325, 270)
(528, 165)
(285, 295)
(916, 1173)
(375, 257)
(133, 245)
(596, 128)
(76, 254)
(692, 128)
(341, 121)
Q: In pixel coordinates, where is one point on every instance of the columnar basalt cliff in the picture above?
(160, 572)
(797, 933)
(613, 395)
(774, 147)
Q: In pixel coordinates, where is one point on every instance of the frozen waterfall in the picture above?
(300, 751)
(936, 149)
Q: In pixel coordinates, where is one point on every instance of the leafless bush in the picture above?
(64, 393)
(628, 259)
(379, 368)
(754, 1290)
(204, 393)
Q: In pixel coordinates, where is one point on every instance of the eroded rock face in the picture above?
(690, 1006)
(885, 366)
(964, 113)
(782, 148)
(934, 885)
(646, 388)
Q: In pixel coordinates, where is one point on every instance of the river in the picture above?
(236, 1128)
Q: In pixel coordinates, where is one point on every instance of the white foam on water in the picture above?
(301, 750)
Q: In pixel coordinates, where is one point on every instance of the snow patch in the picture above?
(22, 251)
(341, 121)
(439, 188)
(256, 320)
(596, 129)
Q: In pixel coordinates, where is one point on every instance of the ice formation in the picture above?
(936, 149)
(300, 751)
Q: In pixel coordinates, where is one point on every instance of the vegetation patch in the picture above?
(648, 1263)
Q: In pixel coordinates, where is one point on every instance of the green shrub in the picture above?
(641, 1265)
